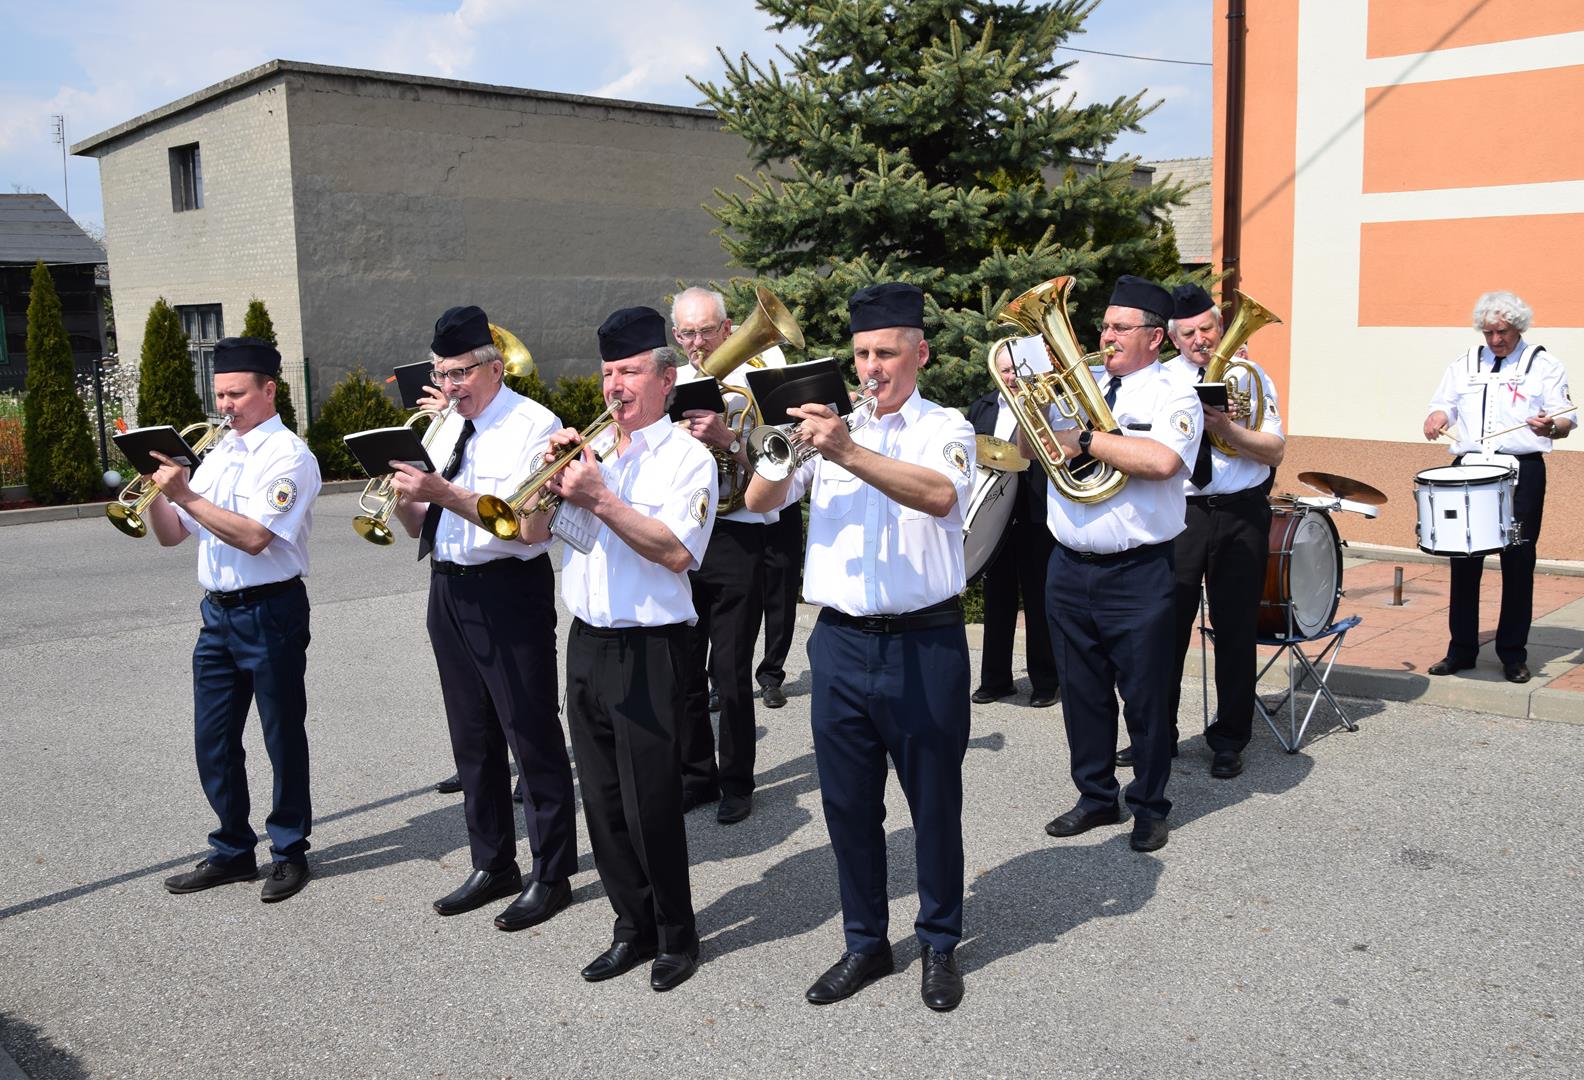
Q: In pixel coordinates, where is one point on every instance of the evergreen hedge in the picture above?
(62, 465)
(576, 399)
(356, 404)
(167, 386)
(257, 323)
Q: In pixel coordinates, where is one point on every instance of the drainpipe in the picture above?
(1232, 169)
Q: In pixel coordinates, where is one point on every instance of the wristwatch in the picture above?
(1084, 439)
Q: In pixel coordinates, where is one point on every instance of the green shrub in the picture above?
(578, 400)
(62, 465)
(167, 389)
(356, 404)
(257, 323)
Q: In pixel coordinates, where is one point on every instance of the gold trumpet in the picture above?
(500, 515)
(778, 450)
(1070, 386)
(379, 497)
(126, 513)
(1248, 404)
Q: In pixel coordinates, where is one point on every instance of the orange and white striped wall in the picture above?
(1400, 158)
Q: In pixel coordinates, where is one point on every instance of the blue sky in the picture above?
(104, 63)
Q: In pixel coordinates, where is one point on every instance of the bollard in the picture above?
(1397, 597)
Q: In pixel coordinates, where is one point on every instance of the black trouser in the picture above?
(783, 566)
(493, 632)
(1517, 564)
(1225, 544)
(1111, 622)
(728, 597)
(624, 696)
(1020, 565)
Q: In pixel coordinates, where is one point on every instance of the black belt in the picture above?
(1253, 494)
(581, 627)
(945, 613)
(254, 593)
(494, 566)
(1112, 556)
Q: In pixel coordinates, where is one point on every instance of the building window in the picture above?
(186, 178)
(203, 327)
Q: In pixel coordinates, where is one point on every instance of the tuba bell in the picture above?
(1250, 404)
(1070, 386)
(126, 513)
(514, 354)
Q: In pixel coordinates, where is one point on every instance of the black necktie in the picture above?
(1111, 391)
(1201, 470)
(431, 524)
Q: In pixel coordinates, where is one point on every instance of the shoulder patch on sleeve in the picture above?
(282, 493)
(957, 457)
(1183, 421)
(699, 505)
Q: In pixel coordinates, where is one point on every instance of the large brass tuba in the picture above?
(126, 513)
(769, 324)
(1249, 404)
(1070, 386)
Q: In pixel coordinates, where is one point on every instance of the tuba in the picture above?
(777, 451)
(769, 324)
(1070, 386)
(1250, 403)
(500, 515)
(126, 513)
(515, 356)
(378, 499)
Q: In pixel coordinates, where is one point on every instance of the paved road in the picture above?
(1400, 901)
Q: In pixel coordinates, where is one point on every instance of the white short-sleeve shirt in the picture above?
(1231, 474)
(1479, 400)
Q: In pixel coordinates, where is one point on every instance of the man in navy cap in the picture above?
(1226, 537)
(492, 623)
(250, 504)
(647, 506)
(1110, 582)
(889, 655)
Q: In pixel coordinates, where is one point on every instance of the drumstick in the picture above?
(1515, 427)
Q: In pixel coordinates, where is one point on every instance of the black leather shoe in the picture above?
(941, 987)
(1149, 834)
(450, 785)
(535, 904)
(692, 800)
(671, 970)
(850, 974)
(733, 808)
(1448, 666)
(986, 694)
(286, 879)
(714, 701)
(1225, 764)
(773, 697)
(1038, 700)
(1078, 820)
(208, 874)
(480, 888)
(1516, 672)
(517, 795)
(619, 959)
(1124, 756)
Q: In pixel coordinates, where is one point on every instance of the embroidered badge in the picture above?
(1183, 421)
(700, 501)
(283, 493)
(957, 457)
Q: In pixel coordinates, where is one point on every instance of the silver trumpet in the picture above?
(778, 449)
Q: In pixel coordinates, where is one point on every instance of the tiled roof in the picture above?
(32, 227)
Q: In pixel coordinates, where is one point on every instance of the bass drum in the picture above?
(1303, 573)
(985, 527)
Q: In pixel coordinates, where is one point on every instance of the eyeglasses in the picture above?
(456, 375)
(1121, 328)
(700, 333)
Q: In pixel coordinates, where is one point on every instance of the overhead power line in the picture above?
(1130, 56)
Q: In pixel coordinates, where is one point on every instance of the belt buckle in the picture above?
(227, 600)
(875, 624)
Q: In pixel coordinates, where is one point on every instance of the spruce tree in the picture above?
(62, 464)
(167, 387)
(257, 323)
(930, 141)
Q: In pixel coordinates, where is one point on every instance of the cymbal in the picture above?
(998, 454)
(1343, 487)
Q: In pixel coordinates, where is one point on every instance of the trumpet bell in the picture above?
(127, 520)
(373, 530)
(769, 324)
(518, 360)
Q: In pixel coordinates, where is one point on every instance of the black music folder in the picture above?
(1212, 393)
(136, 444)
(411, 381)
(377, 448)
(777, 389)
(699, 394)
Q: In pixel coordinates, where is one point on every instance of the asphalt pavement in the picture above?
(1399, 901)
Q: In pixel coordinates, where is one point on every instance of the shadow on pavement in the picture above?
(35, 1053)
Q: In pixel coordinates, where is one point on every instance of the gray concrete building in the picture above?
(359, 204)
(1191, 219)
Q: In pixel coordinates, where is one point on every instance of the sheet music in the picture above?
(576, 526)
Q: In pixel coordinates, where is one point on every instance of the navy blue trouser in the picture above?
(256, 650)
(1111, 629)
(904, 695)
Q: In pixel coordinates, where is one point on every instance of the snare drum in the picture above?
(1465, 509)
(1303, 573)
(985, 527)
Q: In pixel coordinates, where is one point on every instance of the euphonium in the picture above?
(126, 513)
(379, 497)
(1070, 386)
(500, 515)
(1250, 403)
(778, 450)
(515, 356)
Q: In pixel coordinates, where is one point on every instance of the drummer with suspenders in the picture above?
(1501, 397)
